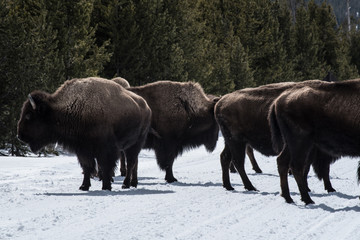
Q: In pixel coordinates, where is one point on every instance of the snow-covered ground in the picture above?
(39, 199)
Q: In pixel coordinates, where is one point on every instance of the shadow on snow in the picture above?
(100, 193)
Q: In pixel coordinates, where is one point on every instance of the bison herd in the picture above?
(310, 123)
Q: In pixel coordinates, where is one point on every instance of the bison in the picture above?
(182, 118)
(92, 117)
(324, 116)
(330, 77)
(243, 120)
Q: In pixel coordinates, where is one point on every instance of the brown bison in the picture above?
(330, 77)
(324, 116)
(92, 117)
(182, 117)
(242, 117)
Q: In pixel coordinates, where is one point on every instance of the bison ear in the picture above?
(39, 103)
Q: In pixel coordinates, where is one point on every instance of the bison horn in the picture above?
(32, 102)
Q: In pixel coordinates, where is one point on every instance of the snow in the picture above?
(39, 199)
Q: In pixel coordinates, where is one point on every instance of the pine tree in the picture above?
(219, 59)
(118, 24)
(143, 40)
(191, 31)
(161, 56)
(354, 49)
(29, 61)
(216, 32)
(307, 47)
(240, 71)
(76, 37)
(259, 32)
(333, 49)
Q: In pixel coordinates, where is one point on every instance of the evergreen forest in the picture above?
(224, 45)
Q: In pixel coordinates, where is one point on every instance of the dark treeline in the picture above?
(340, 9)
(222, 44)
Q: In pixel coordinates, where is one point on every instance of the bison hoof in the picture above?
(171, 180)
(84, 188)
(229, 188)
(287, 198)
(257, 170)
(134, 184)
(125, 186)
(251, 188)
(307, 201)
(329, 190)
(106, 188)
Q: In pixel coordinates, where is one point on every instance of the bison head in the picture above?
(34, 124)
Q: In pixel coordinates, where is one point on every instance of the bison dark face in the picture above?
(34, 124)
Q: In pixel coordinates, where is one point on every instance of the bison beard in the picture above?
(92, 117)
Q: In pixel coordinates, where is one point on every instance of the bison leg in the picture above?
(237, 150)
(122, 164)
(169, 176)
(305, 197)
(165, 155)
(225, 160)
(88, 164)
(250, 153)
(86, 181)
(107, 163)
(297, 165)
(132, 162)
(326, 178)
(134, 178)
(106, 177)
(283, 167)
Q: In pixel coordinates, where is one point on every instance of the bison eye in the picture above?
(28, 116)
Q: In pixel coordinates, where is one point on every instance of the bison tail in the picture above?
(276, 136)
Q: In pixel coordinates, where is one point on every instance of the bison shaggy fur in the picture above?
(92, 117)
